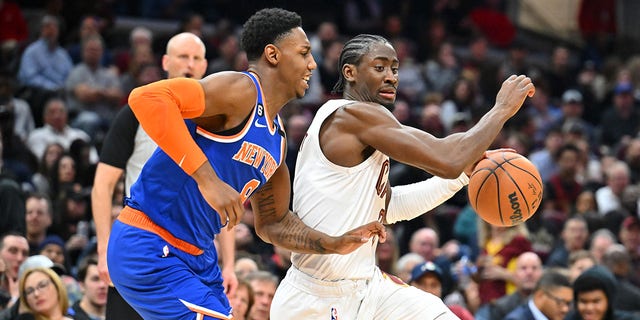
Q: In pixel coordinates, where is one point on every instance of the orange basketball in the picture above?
(505, 189)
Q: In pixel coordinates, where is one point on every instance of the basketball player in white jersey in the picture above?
(341, 181)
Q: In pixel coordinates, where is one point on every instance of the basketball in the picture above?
(505, 189)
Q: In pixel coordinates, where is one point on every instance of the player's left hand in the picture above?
(353, 239)
(229, 282)
(469, 169)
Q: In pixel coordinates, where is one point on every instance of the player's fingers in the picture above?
(224, 217)
(383, 235)
(489, 152)
(236, 215)
(531, 90)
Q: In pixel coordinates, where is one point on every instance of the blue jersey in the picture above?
(245, 161)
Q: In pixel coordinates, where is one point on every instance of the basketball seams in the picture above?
(519, 191)
(481, 185)
(477, 196)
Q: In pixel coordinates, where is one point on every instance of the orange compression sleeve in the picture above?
(161, 107)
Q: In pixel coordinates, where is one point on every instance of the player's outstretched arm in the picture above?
(410, 201)
(446, 157)
(276, 224)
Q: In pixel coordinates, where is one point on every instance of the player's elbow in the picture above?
(263, 232)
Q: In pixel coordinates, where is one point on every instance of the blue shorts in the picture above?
(161, 281)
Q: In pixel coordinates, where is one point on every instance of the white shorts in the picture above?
(300, 296)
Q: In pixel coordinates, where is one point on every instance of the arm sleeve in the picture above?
(161, 107)
(119, 143)
(412, 200)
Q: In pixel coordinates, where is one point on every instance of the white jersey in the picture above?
(335, 199)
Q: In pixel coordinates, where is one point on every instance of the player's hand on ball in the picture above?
(469, 169)
(353, 239)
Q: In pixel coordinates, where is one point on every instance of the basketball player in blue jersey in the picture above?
(347, 148)
(125, 149)
(160, 254)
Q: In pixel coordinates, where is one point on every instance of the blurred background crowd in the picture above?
(67, 67)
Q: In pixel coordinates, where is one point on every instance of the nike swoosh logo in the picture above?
(259, 125)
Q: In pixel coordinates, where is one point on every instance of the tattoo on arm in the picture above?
(285, 229)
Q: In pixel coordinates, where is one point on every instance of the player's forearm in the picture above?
(292, 234)
(227, 248)
(104, 184)
(410, 201)
(101, 209)
(277, 225)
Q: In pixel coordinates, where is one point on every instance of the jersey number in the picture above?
(249, 188)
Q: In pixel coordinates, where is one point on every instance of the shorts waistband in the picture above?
(325, 288)
(139, 219)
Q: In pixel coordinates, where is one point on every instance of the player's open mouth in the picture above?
(188, 75)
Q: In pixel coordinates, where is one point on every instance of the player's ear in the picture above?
(349, 72)
(272, 54)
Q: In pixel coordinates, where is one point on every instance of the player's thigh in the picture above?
(408, 302)
(159, 284)
(293, 303)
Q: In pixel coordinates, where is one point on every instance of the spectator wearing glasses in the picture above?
(552, 299)
(43, 294)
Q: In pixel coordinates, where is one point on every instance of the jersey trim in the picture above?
(202, 311)
(227, 139)
(138, 219)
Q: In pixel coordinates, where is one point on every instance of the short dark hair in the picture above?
(84, 267)
(552, 279)
(9, 233)
(267, 26)
(352, 53)
(42, 196)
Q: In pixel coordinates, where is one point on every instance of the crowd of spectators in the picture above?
(63, 80)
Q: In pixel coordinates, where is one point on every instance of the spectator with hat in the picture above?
(53, 247)
(571, 119)
(428, 277)
(621, 121)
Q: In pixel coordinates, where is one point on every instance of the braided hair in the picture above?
(267, 26)
(352, 53)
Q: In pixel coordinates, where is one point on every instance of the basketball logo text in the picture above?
(516, 215)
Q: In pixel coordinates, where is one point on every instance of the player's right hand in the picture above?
(353, 239)
(103, 269)
(512, 94)
(225, 200)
